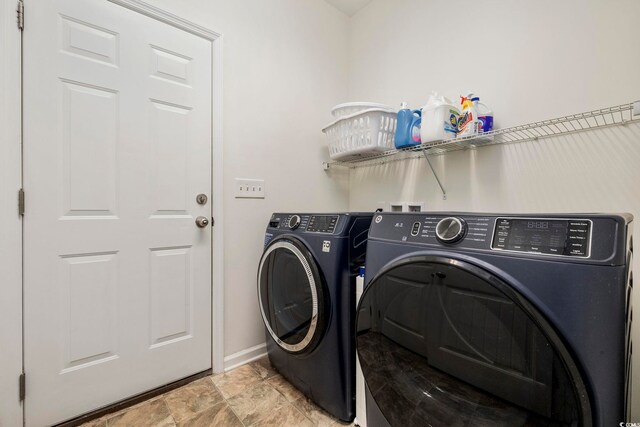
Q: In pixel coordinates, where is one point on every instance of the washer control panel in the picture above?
(289, 221)
(326, 224)
(450, 230)
(562, 237)
(323, 223)
(474, 231)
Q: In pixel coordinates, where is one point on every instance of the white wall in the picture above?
(285, 66)
(10, 224)
(529, 61)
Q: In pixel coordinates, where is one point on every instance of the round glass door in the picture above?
(443, 342)
(290, 292)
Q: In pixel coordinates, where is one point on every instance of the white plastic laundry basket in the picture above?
(364, 133)
(348, 108)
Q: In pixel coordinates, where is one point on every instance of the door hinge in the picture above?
(20, 15)
(23, 386)
(21, 202)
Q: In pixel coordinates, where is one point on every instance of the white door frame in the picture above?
(10, 221)
(217, 291)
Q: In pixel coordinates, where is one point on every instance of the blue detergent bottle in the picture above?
(407, 127)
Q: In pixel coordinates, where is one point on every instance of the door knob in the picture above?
(202, 222)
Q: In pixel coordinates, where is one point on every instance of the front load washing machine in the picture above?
(306, 292)
(490, 320)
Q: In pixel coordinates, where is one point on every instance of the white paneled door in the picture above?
(117, 145)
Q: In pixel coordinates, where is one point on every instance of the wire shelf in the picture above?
(606, 117)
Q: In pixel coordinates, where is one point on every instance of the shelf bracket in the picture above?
(444, 192)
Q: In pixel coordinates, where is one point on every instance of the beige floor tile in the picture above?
(216, 375)
(219, 415)
(252, 395)
(319, 417)
(122, 411)
(236, 381)
(285, 388)
(264, 368)
(150, 414)
(256, 403)
(100, 422)
(287, 416)
(192, 398)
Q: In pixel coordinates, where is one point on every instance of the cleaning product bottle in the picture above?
(407, 127)
(485, 114)
(439, 119)
(469, 124)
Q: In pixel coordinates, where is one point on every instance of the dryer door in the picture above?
(291, 295)
(444, 342)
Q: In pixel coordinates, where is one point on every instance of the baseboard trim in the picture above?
(244, 356)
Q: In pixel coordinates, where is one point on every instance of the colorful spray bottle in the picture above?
(469, 123)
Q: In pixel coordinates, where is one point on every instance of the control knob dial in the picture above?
(294, 222)
(451, 229)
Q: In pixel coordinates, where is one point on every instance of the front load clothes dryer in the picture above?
(306, 292)
(497, 320)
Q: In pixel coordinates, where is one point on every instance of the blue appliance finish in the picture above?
(489, 319)
(306, 292)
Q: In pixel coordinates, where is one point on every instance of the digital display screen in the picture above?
(538, 225)
(322, 224)
(553, 237)
(321, 221)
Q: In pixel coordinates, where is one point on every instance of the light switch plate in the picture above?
(249, 188)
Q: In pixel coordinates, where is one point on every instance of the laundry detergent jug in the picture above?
(439, 119)
(407, 127)
(485, 114)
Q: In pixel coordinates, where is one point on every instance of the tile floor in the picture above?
(251, 395)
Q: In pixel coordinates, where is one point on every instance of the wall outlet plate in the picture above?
(396, 207)
(249, 188)
(405, 207)
(415, 206)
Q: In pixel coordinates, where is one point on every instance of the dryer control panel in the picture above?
(574, 236)
(568, 237)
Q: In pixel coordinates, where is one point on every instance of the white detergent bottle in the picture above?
(439, 120)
